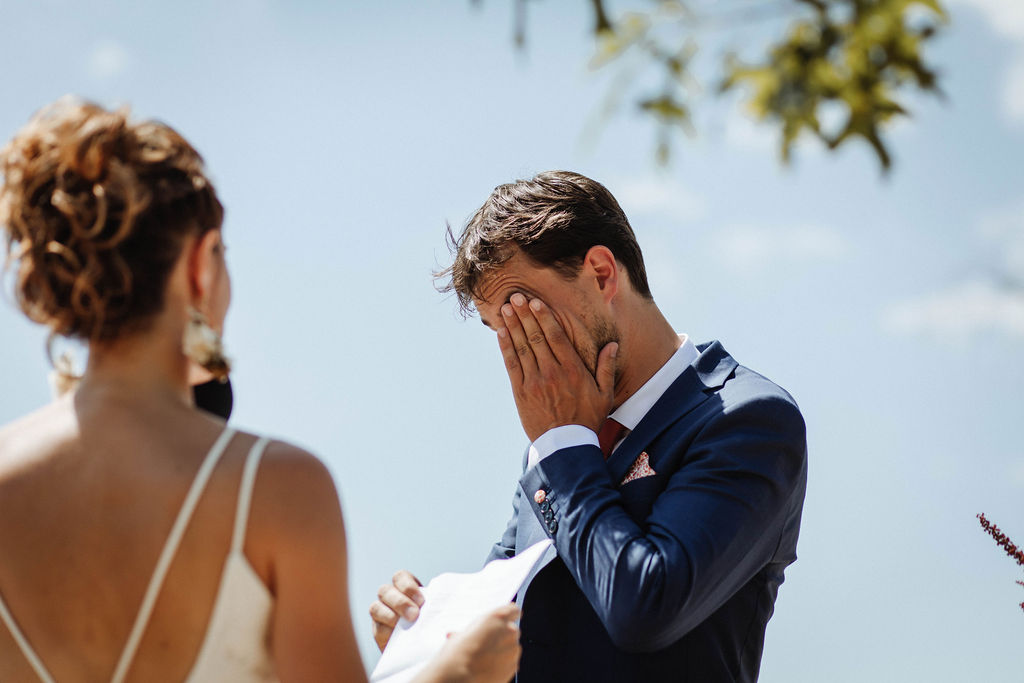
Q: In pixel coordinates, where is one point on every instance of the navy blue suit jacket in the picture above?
(673, 576)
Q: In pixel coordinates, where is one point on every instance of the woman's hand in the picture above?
(486, 652)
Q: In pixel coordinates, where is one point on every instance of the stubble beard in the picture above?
(600, 334)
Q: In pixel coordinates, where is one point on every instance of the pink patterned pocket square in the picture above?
(640, 469)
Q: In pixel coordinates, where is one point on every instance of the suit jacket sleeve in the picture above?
(717, 523)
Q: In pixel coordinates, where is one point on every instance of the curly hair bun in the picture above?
(96, 208)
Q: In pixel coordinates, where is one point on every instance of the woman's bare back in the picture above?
(88, 495)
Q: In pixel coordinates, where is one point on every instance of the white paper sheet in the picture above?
(451, 603)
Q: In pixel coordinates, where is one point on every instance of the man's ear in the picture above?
(202, 266)
(600, 263)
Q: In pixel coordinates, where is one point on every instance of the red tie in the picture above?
(609, 435)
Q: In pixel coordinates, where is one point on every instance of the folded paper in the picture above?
(451, 603)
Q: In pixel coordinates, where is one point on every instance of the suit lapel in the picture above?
(709, 371)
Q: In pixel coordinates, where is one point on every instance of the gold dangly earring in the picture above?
(203, 345)
(62, 376)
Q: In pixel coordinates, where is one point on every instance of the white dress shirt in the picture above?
(628, 414)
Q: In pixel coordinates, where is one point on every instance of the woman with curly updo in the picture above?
(142, 539)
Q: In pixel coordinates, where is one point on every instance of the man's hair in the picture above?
(554, 218)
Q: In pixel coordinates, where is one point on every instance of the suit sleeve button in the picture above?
(549, 516)
(545, 506)
(540, 496)
(552, 526)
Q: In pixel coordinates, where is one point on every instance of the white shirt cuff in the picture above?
(557, 438)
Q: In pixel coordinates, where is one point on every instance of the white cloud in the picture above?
(1004, 230)
(1013, 90)
(659, 196)
(108, 60)
(755, 248)
(979, 305)
(1006, 17)
(960, 312)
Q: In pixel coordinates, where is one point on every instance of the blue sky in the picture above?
(343, 136)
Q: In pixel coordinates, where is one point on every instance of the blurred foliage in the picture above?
(840, 71)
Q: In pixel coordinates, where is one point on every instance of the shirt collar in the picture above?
(639, 404)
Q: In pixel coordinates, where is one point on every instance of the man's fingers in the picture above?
(605, 375)
(401, 598)
(398, 602)
(513, 366)
(531, 327)
(518, 337)
(384, 620)
(408, 584)
(383, 616)
(554, 335)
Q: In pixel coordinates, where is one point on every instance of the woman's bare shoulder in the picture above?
(295, 493)
(288, 469)
(31, 437)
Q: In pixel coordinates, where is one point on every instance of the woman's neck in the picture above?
(148, 364)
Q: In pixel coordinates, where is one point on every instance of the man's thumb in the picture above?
(606, 363)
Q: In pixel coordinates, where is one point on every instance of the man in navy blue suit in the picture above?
(670, 478)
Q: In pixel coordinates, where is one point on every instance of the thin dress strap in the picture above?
(163, 563)
(252, 463)
(170, 548)
(26, 649)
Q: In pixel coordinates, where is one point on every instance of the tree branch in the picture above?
(601, 21)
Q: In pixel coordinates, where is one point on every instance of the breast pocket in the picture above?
(638, 496)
